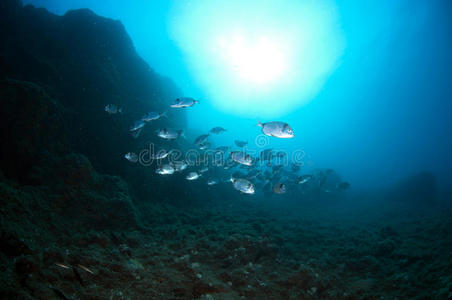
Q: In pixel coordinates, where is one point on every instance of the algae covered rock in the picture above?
(71, 169)
(89, 198)
(71, 190)
(30, 122)
(83, 62)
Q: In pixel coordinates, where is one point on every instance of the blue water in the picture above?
(382, 111)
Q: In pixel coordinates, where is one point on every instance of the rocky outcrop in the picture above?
(57, 73)
(31, 124)
(64, 182)
(83, 62)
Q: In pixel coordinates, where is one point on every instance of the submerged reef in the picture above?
(78, 221)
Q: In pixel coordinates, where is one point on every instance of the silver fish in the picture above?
(204, 146)
(113, 109)
(132, 157)
(152, 116)
(169, 134)
(217, 130)
(212, 181)
(203, 170)
(303, 179)
(276, 129)
(137, 125)
(243, 185)
(279, 188)
(136, 133)
(161, 154)
(242, 158)
(166, 169)
(201, 139)
(193, 176)
(184, 102)
(241, 143)
(179, 166)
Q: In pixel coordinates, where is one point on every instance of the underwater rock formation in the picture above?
(84, 62)
(31, 123)
(57, 74)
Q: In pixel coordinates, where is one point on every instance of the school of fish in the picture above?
(264, 172)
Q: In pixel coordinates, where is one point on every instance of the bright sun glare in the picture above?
(258, 61)
(258, 58)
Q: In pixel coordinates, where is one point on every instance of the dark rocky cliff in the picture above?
(62, 166)
(83, 62)
(57, 73)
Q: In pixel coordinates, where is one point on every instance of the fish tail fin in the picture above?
(120, 110)
(182, 134)
(164, 114)
(259, 124)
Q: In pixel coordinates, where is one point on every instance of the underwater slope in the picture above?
(78, 221)
(81, 62)
(57, 73)
(84, 62)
